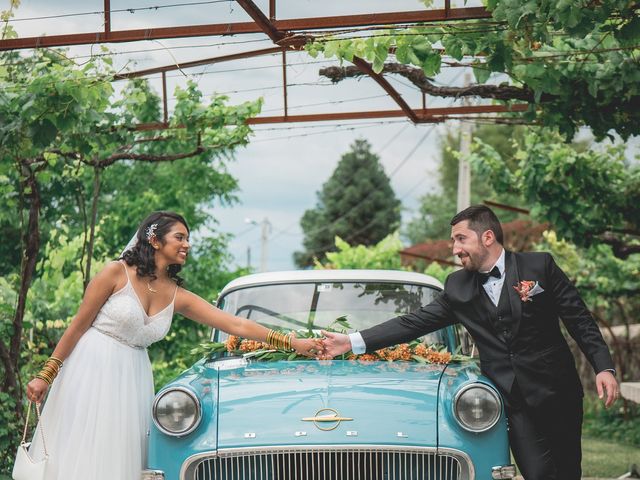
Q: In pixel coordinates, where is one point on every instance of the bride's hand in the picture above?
(309, 347)
(37, 389)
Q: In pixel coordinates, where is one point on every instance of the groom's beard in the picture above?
(474, 261)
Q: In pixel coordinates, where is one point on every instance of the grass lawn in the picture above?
(606, 459)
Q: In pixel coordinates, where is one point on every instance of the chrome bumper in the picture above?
(503, 472)
(152, 475)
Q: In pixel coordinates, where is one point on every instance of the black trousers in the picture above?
(546, 439)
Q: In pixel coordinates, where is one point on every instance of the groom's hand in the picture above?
(607, 384)
(334, 344)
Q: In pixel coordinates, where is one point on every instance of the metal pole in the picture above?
(272, 10)
(164, 98)
(464, 169)
(107, 16)
(249, 257)
(284, 83)
(266, 230)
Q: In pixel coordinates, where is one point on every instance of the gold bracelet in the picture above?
(279, 340)
(50, 370)
(56, 360)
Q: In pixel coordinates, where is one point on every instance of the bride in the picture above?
(97, 414)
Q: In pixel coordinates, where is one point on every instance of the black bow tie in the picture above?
(484, 277)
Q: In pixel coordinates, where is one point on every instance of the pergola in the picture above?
(288, 35)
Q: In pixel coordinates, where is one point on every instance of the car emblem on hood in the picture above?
(331, 418)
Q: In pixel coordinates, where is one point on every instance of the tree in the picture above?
(383, 255)
(573, 63)
(357, 204)
(75, 169)
(590, 196)
(437, 209)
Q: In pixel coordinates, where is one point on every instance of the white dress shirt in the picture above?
(493, 287)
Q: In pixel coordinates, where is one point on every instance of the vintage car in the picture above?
(241, 417)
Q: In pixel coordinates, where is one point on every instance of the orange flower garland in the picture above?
(403, 352)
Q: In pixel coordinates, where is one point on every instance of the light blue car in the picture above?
(239, 418)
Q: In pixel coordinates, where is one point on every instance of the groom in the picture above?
(510, 303)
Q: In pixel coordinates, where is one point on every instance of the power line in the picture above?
(120, 10)
(393, 139)
(109, 78)
(285, 230)
(413, 150)
(287, 137)
(332, 102)
(366, 197)
(301, 127)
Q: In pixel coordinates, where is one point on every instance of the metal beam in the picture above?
(261, 20)
(380, 80)
(107, 16)
(506, 207)
(289, 25)
(284, 83)
(198, 63)
(272, 10)
(431, 115)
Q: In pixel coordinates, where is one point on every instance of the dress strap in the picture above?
(126, 270)
(175, 292)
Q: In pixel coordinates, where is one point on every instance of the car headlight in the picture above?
(177, 411)
(477, 407)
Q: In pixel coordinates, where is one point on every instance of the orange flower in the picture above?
(368, 357)
(403, 352)
(382, 353)
(251, 345)
(232, 343)
(421, 350)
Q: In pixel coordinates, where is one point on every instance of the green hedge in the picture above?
(612, 424)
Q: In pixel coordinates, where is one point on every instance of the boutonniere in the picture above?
(527, 289)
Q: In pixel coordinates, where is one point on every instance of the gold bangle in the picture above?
(56, 360)
(51, 367)
(45, 378)
(279, 340)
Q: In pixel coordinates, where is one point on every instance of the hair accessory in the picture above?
(151, 231)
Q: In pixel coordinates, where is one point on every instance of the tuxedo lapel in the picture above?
(511, 278)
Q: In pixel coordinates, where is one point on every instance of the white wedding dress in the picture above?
(97, 415)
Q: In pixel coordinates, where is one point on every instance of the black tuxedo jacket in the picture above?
(537, 355)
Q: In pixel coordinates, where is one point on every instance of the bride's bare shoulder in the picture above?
(113, 273)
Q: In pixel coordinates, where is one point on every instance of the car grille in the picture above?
(329, 463)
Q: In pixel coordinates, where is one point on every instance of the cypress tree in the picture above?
(357, 204)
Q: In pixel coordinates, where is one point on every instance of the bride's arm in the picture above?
(98, 291)
(195, 308)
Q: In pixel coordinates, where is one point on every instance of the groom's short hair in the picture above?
(481, 218)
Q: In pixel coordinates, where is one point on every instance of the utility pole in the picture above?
(464, 169)
(249, 257)
(266, 230)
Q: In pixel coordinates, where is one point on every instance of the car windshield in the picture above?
(306, 306)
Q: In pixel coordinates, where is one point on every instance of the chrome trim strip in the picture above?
(491, 391)
(464, 460)
(193, 396)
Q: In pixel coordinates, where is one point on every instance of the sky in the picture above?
(284, 165)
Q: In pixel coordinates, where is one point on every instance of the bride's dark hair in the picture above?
(142, 253)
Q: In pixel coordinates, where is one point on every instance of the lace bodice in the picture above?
(123, 318)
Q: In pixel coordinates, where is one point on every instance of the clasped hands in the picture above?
(324, 348)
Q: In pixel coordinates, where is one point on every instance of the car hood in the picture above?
(382, 403)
